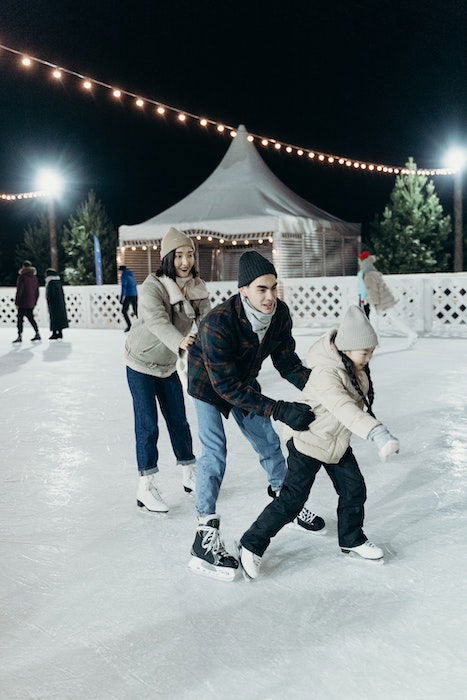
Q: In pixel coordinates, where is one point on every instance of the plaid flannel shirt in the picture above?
(226, 359)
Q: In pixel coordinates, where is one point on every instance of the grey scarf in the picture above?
(259, 321)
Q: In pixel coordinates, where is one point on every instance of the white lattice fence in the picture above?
(449, 302)
(428, 303)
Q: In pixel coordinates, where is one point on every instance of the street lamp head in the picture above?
(456, 158)
(50, 182)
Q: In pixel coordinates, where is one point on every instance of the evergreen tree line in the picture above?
(75, 244)
(412, 235)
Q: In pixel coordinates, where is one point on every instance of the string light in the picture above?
(144, 247)
(88, 83)
(22, 195)
(221, 240)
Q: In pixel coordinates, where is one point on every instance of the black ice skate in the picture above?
(305, 520)
(208, 554)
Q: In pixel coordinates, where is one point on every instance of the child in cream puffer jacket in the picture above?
(338, 391)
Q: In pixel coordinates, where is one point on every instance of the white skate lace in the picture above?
(154, 491)
(306, 515)
(212, 542)
(370, 544)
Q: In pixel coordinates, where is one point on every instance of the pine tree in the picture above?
(411, 236)
(35, 246)
(90, 219)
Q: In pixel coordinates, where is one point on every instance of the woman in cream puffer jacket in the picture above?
(172, 302)
(340, 393)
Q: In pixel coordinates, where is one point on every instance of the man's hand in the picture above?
(187, 341)
(297, 415)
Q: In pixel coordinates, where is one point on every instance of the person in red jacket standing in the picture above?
(27, 294)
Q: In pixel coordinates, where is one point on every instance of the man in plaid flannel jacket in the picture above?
(233, 341)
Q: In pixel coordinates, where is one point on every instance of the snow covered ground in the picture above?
(96, 600)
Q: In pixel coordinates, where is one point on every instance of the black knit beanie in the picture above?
(252, 265)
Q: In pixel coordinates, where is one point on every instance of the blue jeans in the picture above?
(211, 465)
(145, 389)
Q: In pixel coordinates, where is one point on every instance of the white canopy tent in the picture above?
(242, 200)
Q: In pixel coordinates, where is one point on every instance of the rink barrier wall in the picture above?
(434, 304)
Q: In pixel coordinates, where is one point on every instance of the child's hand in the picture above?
(386, 443)
(297, 415)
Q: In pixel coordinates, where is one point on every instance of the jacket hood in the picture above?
(324, 353)
(27, 271)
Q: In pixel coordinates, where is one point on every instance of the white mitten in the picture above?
(386, 443)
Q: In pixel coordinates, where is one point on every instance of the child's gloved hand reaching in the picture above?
(386, 443)
(297, 415)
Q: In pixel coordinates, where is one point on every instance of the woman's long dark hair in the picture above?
(350, 369)
(167, 267)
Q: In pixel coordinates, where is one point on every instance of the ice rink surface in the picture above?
(96, 600)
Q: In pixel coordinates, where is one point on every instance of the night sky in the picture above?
(368, 79)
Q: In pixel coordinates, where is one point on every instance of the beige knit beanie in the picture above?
(174, 239)
(355, 331)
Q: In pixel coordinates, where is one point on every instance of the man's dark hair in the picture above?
(167, 267)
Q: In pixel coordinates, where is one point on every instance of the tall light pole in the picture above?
(456, 160)
(51, 183)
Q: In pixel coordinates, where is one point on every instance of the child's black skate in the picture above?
(208, 554)
(305, 520)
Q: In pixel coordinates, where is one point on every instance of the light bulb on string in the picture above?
(277, 146)
(160, 110)
(311, 154)
(299, 152)
(117, 93)
(139, 102)
(321, 157)
(181, 117)
(87, 84)
(250, 138)
(26, 61)
(233, 134)
(220, 127)
(264, 142)
(57, 74)
(288, 149)
(203, 122)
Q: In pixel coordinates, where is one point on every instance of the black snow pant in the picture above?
(29, 313)
(126, 305)
(350, 487)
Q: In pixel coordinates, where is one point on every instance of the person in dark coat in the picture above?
(27, 294)
(232, 343)
(129, 294)
(56, 303)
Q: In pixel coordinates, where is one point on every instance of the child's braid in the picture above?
(349, 367)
